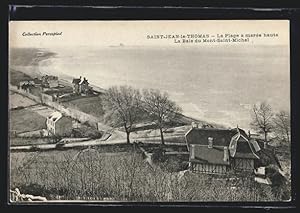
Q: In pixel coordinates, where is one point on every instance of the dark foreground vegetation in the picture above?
(90, 175)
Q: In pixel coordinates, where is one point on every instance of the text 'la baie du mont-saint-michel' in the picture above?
(212, 38)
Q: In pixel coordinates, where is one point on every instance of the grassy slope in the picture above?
(90, 105)
(25, 120)
(17, 100)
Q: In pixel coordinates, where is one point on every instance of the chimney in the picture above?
(80, 77)
(249, 134)
(210, 142)
(192, 151)
(226, 156)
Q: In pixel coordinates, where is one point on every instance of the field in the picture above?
(25, 120)
(17, 100)
(90, 105)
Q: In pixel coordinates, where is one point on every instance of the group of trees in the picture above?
(266, 121)
(125, 106)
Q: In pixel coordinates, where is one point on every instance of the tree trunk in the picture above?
(162, 136)
(128, 133)
(266, 137)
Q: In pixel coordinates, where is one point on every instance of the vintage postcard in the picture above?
(149, 111)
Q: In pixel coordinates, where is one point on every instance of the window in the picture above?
(210, 142)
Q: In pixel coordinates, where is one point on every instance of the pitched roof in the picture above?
(55, 116)
(37, 81)
(255, 145)
(84, 80)
(221, 137)
(214, 155)
(235, 139)
(76, 80)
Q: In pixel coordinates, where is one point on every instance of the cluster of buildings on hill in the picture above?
(45, 82)
(51, 83)
(49, 88)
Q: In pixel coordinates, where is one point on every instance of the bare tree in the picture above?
(282, 122)
(123, 107)
(262, 118)
(160, 108)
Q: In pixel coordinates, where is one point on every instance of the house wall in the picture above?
(76, 88)
(53, 83)
(46, 97)
(243, 164)
(50, 126)
(63, 126)
(84, 88)
(209, 168)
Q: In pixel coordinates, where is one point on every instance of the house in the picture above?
(49, 81)
(26, 83)
(59, 125)
(81, 86)
(220, 150)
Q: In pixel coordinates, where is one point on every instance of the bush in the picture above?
(92, 176)
(158, 155)
(86, 132)
(34, 189)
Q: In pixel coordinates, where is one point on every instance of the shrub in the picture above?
(158, 155)
(86, 132)
(90, 175)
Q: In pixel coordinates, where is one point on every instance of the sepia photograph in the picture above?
(149, 111)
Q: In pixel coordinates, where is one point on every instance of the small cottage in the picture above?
(81, 86)
(218, 151)
(59, 125)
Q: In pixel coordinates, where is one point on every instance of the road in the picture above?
(96, 142)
